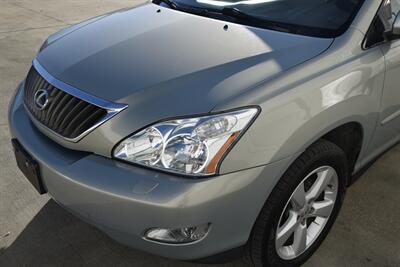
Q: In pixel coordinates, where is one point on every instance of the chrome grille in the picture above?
(66, 115)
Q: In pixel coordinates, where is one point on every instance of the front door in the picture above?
(390, 102)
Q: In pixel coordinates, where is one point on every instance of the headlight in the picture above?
(192, 146)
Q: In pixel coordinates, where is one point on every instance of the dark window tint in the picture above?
(325, 18)
(381, 27)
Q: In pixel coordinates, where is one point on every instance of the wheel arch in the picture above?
(351, 134)
(349, 137)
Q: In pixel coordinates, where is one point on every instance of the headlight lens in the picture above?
(146, 147)
(193, 146)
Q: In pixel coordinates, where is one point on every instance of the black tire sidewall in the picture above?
(319, 155)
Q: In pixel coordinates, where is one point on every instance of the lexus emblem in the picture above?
(41, 99)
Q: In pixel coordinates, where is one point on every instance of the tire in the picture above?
(265, 247)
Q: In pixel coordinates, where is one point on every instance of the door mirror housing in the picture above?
(396, 26)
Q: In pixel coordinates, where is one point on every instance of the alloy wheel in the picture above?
(307, 212)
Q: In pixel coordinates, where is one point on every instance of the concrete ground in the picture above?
(34, 231)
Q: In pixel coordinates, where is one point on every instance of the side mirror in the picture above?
(396, 26)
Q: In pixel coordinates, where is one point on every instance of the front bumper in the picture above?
(124, 200)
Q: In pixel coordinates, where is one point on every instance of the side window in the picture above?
(395, 6)
(382, 23)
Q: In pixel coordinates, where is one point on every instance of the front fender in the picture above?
(343, 85)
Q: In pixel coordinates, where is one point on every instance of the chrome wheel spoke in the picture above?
(306, 212)
(322, 208)
(299, 197)
(287, 229)
(320, 184)
(300, 239)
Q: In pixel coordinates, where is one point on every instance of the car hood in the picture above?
(155, 56)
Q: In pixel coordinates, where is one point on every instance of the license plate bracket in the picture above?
(29, 166)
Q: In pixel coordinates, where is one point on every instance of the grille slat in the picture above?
(83, 114)
(54, 115)
(72, 113)
(64, 111)
(53, 104)
(65, 114)
(88, 121)
(30, 95)
(54, 100)
(29, 82)
(42, 114)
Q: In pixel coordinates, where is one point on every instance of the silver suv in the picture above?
(195, 129)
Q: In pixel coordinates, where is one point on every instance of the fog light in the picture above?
(178, 235)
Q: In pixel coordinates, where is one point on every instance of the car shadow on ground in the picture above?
(55, 237)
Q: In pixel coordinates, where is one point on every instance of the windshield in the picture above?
(323, 18)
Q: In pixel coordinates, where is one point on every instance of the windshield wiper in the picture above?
(183, 7)
(240, 15)
(227, 11)
(231, 13)
(172, 4)
(236, 13)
